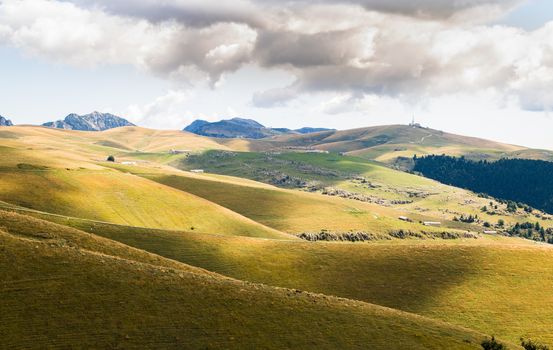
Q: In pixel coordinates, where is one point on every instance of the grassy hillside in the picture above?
(98, 294)
(381, 143)
(159, 294)
(394, 192)
(495, 285)
(74, 149)
(112, 196)
(39, 158)
(293, 211)
(387, 143)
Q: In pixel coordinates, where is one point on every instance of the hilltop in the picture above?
(388, 143)
(241, 128)
(94, 121)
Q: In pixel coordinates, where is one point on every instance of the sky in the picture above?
(474, 67)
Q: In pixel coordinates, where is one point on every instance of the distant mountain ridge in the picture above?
(242, 128)
(5, 122)
(94, 121)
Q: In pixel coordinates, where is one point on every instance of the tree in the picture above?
(530, 345)
(511, 207)
(516, 183)
(111, 158)
(492, 344)
(501, 223)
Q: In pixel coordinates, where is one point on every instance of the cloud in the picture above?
(412, 60)
(258, 13)
(64, 32)
(433, 9)
(274, 97)
(195, 13)
(165, 112)
(403, 49)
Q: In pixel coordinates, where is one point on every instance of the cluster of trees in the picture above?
(532, 231)
(468, 219)
(527, 344)
(514, 180)
(510, 206)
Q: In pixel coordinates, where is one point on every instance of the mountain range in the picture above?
(392, 144)
(5, 122)
(242, 128)
(94, 121)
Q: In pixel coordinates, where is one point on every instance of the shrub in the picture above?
(492, 344)
(111, 159)
(530, 345)
(511, 207)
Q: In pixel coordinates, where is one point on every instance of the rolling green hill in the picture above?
(471, 283)
(81, 291)
(141, 252)
(389, 142)
(112, 196)
(366, 182)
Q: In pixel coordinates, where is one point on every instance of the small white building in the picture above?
(128, 163)
(198, 171)
(179, 151)
(431, 223)
(404, 218)
(315, 151)
(490, 232)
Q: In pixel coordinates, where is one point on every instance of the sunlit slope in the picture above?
(112, 196)
(69, 148)
(382, 143)
(65, 289)
(150, 140)
(495, 285)
(388, 142)
(391, 190)
(287, 210)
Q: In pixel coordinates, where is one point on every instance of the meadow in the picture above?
(141, 252)
(100, 294)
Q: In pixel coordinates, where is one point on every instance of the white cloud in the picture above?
(165, 112)
(64, 32)
(408, 50)
(277, 97)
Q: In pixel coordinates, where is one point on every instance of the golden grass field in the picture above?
(63, 288)
(146, 255)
